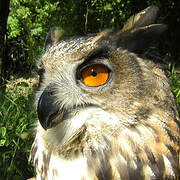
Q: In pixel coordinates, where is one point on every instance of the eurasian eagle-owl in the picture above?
(104, 112)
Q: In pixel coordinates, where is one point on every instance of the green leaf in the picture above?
(108, 7)
(23, 84)
(2, 142)
(3, 131)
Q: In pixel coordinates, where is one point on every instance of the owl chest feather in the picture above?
(110, 157)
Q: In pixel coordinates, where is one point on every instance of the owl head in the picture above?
(101, 101)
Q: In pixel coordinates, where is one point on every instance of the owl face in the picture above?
(100, 102)
(101, 81)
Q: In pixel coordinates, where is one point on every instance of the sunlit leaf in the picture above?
(2, 142)
(23, 84)
(3, 131)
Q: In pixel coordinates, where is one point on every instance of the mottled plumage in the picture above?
(124, 126)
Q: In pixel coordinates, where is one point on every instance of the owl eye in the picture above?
(95, 75)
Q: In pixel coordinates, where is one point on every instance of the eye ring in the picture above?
(95, 75)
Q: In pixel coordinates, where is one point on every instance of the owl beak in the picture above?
(48, 112)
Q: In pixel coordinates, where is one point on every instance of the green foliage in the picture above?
(16, 118)
(29, 21)
(108, 13)
(28, 24)
(175, 84)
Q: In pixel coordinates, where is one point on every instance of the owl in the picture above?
(104, 112)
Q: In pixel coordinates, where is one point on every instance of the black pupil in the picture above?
(94, 74)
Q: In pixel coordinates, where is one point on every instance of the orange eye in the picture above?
(95, 75)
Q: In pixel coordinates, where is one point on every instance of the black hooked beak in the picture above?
(48, 112)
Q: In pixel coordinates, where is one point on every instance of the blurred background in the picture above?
(24, 25)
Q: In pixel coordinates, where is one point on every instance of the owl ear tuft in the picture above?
(138, 39)
(53, 37)
(137, 34)
(143, 18)
(139, 30)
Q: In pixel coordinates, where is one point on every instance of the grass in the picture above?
(175, 84)
(17, 116)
